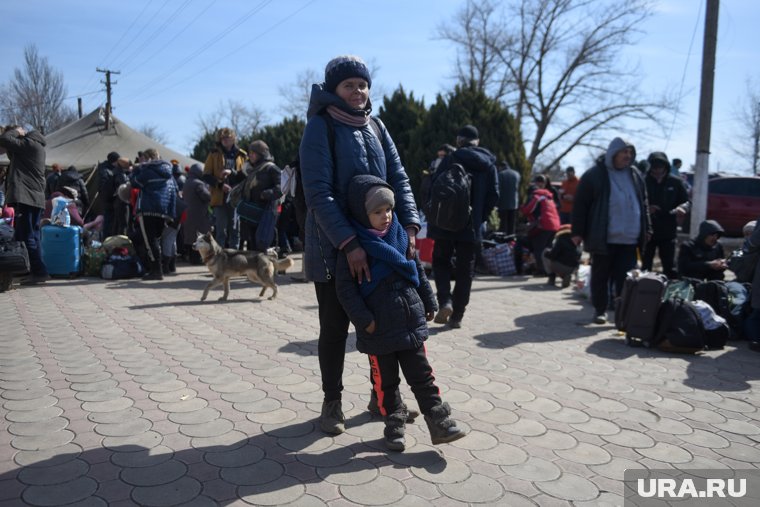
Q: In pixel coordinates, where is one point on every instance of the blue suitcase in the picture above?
(62, 249)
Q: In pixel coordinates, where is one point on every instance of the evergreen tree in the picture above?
(402, 115)
(283, 139)
(467, 105)
(204, 146)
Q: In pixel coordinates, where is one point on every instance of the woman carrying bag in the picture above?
(260, 195)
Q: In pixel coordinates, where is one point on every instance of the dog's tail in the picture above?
(284, 264)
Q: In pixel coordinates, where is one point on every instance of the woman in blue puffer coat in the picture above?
(155, 205)
(339, 142)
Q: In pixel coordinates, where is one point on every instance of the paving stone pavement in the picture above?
(136, 393)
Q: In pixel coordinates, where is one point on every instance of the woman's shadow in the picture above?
(272, 467)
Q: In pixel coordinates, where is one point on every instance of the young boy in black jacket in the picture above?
(390, 311)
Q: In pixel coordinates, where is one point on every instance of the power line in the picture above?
(683, 79)
(226, 56)
(205, 46)
(128, 30)
(185, 27)
(150, 38)
(139, 32)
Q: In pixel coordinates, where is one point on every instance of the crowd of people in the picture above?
(158, 205)
(360, 224)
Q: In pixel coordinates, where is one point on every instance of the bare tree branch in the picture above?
(557, 65)
(746, 143)
(151, 130)
(234, 114)
(34, 96)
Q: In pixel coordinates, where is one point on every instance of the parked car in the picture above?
(732, 201)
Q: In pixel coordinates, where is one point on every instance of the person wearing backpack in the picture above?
(340, 141)
(479, 166)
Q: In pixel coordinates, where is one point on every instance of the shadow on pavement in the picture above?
(539, 328)
(269, 468)
(731, 370)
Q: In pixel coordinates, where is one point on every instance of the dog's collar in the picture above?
(206, 259)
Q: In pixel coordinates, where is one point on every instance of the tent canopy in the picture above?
(86, 142)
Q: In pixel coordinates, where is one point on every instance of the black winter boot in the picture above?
(171, 265)
(374, 409)
(394, 430)
(156, 272)
(442, 428)
(165, 265)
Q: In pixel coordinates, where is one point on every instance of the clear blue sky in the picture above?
(180, 58)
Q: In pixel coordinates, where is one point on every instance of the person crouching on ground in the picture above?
(562, 258)
(396, 287)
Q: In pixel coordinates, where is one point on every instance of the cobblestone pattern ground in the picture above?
(136, 393)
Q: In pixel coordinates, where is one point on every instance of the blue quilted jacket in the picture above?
(158, 191)
(325, 181)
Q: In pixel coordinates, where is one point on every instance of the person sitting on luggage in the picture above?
(562, 258)
(71, 195)
(702, 257)
(395, 286)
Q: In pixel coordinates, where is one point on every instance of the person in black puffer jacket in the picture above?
(396, 287)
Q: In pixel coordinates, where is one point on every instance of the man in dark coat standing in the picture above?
(480, 164)
(610, 218)
(509, 199)
(668, 199)
(25, 185)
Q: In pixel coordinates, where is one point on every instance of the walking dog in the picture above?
(224, 263)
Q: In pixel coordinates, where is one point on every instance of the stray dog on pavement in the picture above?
(224, 263)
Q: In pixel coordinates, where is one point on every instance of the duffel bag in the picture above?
(118, 267)
(250, 212)
(14, 257)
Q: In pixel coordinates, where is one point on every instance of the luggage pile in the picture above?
(685, 315)
(14, 258)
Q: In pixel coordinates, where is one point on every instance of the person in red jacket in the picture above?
(543, 220)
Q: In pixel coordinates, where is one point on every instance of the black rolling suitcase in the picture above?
(638, 307)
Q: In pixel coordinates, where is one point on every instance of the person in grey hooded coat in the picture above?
(610, 217)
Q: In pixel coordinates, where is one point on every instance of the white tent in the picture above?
(86, 142)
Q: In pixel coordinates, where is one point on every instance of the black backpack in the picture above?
(716, 294)
(743, 263)
(680, 327)
(448, 205)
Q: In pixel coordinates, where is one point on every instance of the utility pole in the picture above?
(108, 84)
(699, 195)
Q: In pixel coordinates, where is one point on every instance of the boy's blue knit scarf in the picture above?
(386, 255)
